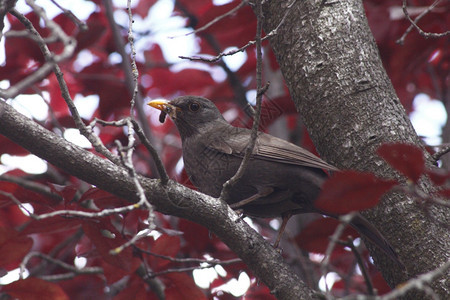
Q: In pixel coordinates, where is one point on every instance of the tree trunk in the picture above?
(332, 67)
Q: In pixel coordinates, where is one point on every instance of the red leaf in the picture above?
(315, 237)
(105, 238)
(112, 273)
(35, 289)
(135, 290)
(12, 246)
(51, 225)
(7, 146)
(143, 7)
(407, 159)
(380, 284)
(181, 286)
(196, 6)
(187, 81)
(165, 245)
(85, 287)
(98, 26)
(354, 285)
(12, 216)
(196, 236)
(343, 261)
(445, 193)
(234, 30)
(24, 195)
(259, 292)
(113, 94)
(350, 191)
(103, 199)
(438, 176)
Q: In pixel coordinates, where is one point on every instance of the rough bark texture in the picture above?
(332, 67)
(173, 199)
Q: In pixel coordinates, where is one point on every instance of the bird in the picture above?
(280, 180)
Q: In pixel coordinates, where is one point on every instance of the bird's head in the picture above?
(191, 114)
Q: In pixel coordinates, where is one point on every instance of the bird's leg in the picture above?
(261, 193)
(285, 217)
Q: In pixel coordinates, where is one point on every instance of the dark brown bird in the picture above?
(281, 179)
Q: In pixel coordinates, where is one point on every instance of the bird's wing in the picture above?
(269, 148)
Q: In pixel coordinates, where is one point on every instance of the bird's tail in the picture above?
(365, 228)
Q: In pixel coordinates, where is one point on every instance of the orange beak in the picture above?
(164, 106)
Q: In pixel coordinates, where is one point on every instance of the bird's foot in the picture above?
(241, 214)
(261, 193)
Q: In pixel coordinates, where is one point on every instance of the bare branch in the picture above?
(362, 267)
(134, 69)
(212, 262)
(420, 283)
(414, 23)
(80, 24)
(241, 49)
(251, 145)
(16, 201)
(215, 20)
(51, 59)
(444, 149)
(130, 71)
(140, 133)
(32, 186)
(344, 221)
(159, 164)
(73, 270)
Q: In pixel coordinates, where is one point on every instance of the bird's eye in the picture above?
(194, 106)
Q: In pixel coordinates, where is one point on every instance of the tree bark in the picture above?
(332, 67)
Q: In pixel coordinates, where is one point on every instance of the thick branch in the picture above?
(173, 199)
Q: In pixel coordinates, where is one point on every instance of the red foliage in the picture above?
(418, 66)
(349, 191)
(13, 247)
(35, 289)
(406, 159)
(315, 237)
(105, 238)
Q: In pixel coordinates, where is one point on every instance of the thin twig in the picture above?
(86, 214)
(362, 267)
(206, 265)
(51, 60)
(80, 24)
(130, 72)
(251, 145)
(420, 282)
(69, 242)
(212, 262)
(140, 133)
(32, 186)
(71, 43)
(17, 202)
(134, 69)
(126, 155)
(414, 23)
(444, 150)
(241, 49)
(215, 20)
(73, 270)
(344, 221)
(158, 162)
